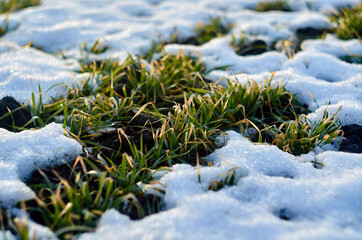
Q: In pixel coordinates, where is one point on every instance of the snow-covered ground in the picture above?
(320, 203)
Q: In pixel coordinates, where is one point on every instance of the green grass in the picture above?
(97, 48)
(227, 179)
(74, 205)
(7, 6)
(349, 22)
(278, 5)
(301, 135)
(217, 27)
(188, 132)
(263, 102)
(169, 77)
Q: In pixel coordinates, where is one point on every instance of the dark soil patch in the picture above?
(353, 139)
(255, 47)
(119, 139)
(189, 41)
(311, 33)
(139, 130)
(18, 118)
(150, 203)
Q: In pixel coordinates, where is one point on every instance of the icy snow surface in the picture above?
(23, 70)
(21, 153)
(271, 185)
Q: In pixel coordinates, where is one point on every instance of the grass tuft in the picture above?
(260, 103)
(301, 135)
(217, 27)
(278, 5)
(97, 48)
(167, 78)
(228, 179)
(72, 206)
(349, 22)
(189, 132)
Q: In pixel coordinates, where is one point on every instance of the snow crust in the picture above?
(22, 153)
(277, 195)
(24, 70)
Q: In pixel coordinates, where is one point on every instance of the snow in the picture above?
(22, 153)
(23, 70)
(334, 46)
(321, 203)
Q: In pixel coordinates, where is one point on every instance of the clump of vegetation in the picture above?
(97, 48)
(216, 28)
(301, 135)
(7, 6)
(71, 206)
(278, 5)
(227, 179)
(188, 132)
(169, 77)
(261, 103)
(349, 22)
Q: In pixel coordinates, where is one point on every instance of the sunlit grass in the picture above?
(217, 27)
(278, 5)
(302, 136)
(349, 22)
(74, 205)
(263, 102)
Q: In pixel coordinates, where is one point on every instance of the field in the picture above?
(162, 119)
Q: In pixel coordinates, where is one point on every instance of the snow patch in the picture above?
(22, 153)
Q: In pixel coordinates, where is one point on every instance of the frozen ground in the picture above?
(272, 185)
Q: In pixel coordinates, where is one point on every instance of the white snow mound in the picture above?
(22, 153)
